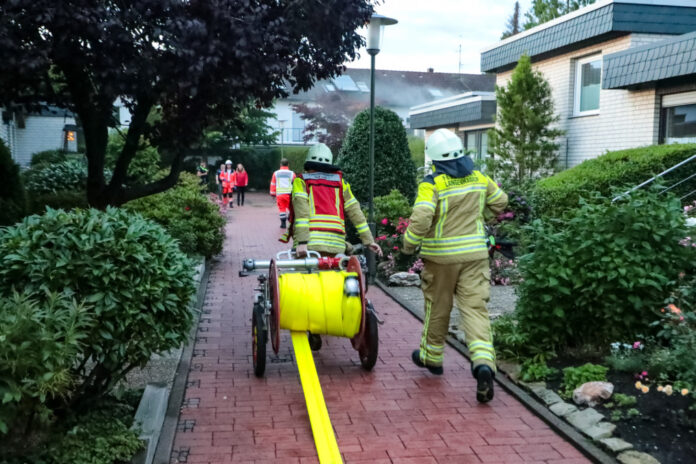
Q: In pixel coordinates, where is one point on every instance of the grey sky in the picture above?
(429, 33)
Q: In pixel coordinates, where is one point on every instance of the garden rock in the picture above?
(616, 445)
(601, 430)
(404, 279)
(585, 419)
(549, 397)
(636, 457)
(592, 393)
(563, 409)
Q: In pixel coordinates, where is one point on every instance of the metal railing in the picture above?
(662, 174)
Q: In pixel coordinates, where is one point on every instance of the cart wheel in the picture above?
(369, 351)
(314, 341)
(259, 335)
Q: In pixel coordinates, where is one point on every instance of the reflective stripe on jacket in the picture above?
(281, 182)
(448, 217)
(319, 214)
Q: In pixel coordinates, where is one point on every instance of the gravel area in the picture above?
(503, 300)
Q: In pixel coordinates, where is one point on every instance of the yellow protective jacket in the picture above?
(325, 232)
(448, 216)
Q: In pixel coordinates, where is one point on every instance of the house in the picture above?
(622, 73)
(51, 128)
(396, 90)
(470, 115)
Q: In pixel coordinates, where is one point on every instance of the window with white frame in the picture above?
(679, 118)
(588, 82)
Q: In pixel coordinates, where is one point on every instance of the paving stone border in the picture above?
(158, 411)
(525, 394)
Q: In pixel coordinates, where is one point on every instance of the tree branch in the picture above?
(139, 191)
(130, 148)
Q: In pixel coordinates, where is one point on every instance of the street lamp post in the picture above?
(375, 30)
(281, 122)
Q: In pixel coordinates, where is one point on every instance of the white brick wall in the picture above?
(40, 133)
(626, 118)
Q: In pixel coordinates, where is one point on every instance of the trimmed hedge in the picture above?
(259, 162)
(13, 200)
(619, 170)
(63, 199)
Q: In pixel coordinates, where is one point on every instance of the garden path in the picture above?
(397, 413)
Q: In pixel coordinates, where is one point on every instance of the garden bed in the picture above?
(664, 427)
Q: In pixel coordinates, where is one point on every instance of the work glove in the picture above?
(301, 251)
(376, 249)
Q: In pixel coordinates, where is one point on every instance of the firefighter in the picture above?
(321, 200)
(448, 224)
(281, 189)
(227, 180)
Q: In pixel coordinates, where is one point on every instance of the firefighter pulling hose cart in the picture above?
(321, 295)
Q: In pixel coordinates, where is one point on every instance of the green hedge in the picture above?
(558, 194)
(259, 162)
(13, 201)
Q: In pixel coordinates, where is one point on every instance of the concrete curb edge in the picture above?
(166, 441)
(584, 445)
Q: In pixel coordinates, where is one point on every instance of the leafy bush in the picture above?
(13, 201)
(391, 207)
(573, 377)
(64, 199)
(672, 359)
(39, 345)
(394, 168)
(187, 215)
(101, 435)
(596, 277)
(416, 146)
(129, 270)
(558, 195)
(535, 371)
(511, 342)
(48, 157)
(144, 166)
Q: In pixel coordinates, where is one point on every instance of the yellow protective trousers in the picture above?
(469, 283)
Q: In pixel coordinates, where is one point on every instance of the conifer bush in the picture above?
(394, 167)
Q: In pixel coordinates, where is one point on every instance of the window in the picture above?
(588, 80)
(680, 124)
(435, 92)
(476, 144)
(363, 86)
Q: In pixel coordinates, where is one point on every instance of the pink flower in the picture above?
(681, 318)
(644, 373)
(385, 221)
(396, 248)
(381, 237)
(395, 236)
(636, 345)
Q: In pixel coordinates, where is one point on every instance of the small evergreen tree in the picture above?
(522, 144)
(513, 24)
(13, 201)
(394, 168)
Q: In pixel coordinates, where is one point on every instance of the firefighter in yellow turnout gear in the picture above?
(448, 224)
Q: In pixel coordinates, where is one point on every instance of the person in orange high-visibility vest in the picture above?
(227, 180)
(281, 189)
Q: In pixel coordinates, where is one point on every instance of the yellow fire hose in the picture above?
(308, 302)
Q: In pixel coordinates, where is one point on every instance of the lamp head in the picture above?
(374, 31)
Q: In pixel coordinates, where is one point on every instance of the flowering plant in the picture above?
(504, 271)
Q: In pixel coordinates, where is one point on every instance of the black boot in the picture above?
(415, 357)
(314, 341)
(484, 387)
(282, 224)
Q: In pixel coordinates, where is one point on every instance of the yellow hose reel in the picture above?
(323, 296)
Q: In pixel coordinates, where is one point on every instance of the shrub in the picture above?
(596, 277)
(391, 207)
(39, 345)
(416, 146)
(559, 195)
(47, 157)
(573, 377)
(128, 269)
(187, 215)
(144, 166)
(536, 371)
(673, 358)
(394, 168)
(12, 196)
(64, 199)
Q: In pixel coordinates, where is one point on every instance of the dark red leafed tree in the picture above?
(179, 66)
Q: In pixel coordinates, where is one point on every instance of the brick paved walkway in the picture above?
(397, 413)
